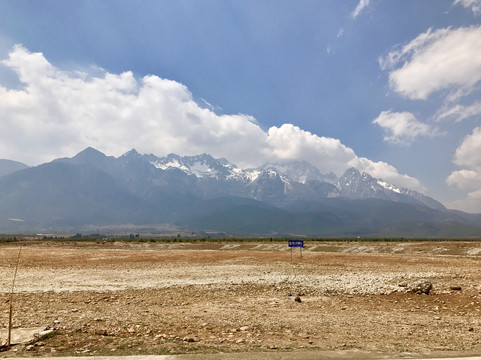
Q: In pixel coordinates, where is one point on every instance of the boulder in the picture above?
(421, 286)
(23, 335)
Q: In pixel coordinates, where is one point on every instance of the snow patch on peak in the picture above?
(201, 170)
(300, 171)
(172, 164)
(200, 166)
(271, 173)
(388, 186)
(252, 174)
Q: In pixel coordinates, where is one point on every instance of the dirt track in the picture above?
(154, 298)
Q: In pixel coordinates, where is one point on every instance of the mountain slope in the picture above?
(61, 195)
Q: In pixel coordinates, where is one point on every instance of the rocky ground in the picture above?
(163, 298)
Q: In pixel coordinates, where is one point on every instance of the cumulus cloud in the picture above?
(469, 152)
(464, 179)
(474, 5)
(436, 60)
(59, 113)
(291, 142)
(360, 7)
(401, 127)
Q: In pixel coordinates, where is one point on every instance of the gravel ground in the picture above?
(201, 298)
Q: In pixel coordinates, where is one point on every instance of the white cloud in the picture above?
(459, 112)
(436, 60)
(465, 179)
(360, 7)
(291, 142)
(469, 152)
(474, 5)
(402, 127)
(382, 170)
(59, 113)
(468, 156)
(447, 62)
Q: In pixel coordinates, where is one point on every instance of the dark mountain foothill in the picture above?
(201, 193)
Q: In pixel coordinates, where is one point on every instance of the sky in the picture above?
(391, 87)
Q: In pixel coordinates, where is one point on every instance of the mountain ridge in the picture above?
(208, 194)
(10, 166)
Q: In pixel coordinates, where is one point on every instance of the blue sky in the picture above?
(391, 87)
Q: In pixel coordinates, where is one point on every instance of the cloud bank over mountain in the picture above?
(53, 112)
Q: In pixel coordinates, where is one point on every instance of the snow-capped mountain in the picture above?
(269, 186)
(278, 183)
(274, 183)
(283, 182)
(205, 166)
(200, 166)
(352, 184)
(202, 192)
(217, 177)
(300, 171)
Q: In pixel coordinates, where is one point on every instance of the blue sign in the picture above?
(296, 243)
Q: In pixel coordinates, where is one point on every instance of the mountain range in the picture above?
(202, 194)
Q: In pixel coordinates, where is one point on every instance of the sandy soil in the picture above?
(166, 298)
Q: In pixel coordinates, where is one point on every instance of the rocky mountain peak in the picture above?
(131, 154)
(88, 156)
(200, 166)
(352, 184)
(300, 171)
(89, 153)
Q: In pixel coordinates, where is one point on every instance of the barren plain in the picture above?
(127, 298)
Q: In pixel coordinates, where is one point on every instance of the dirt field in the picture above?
(167, 298)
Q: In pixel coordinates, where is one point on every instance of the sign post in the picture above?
(296, 243)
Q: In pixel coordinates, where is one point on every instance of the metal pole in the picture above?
(10, 313)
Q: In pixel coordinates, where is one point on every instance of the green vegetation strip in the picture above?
(130, 239)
